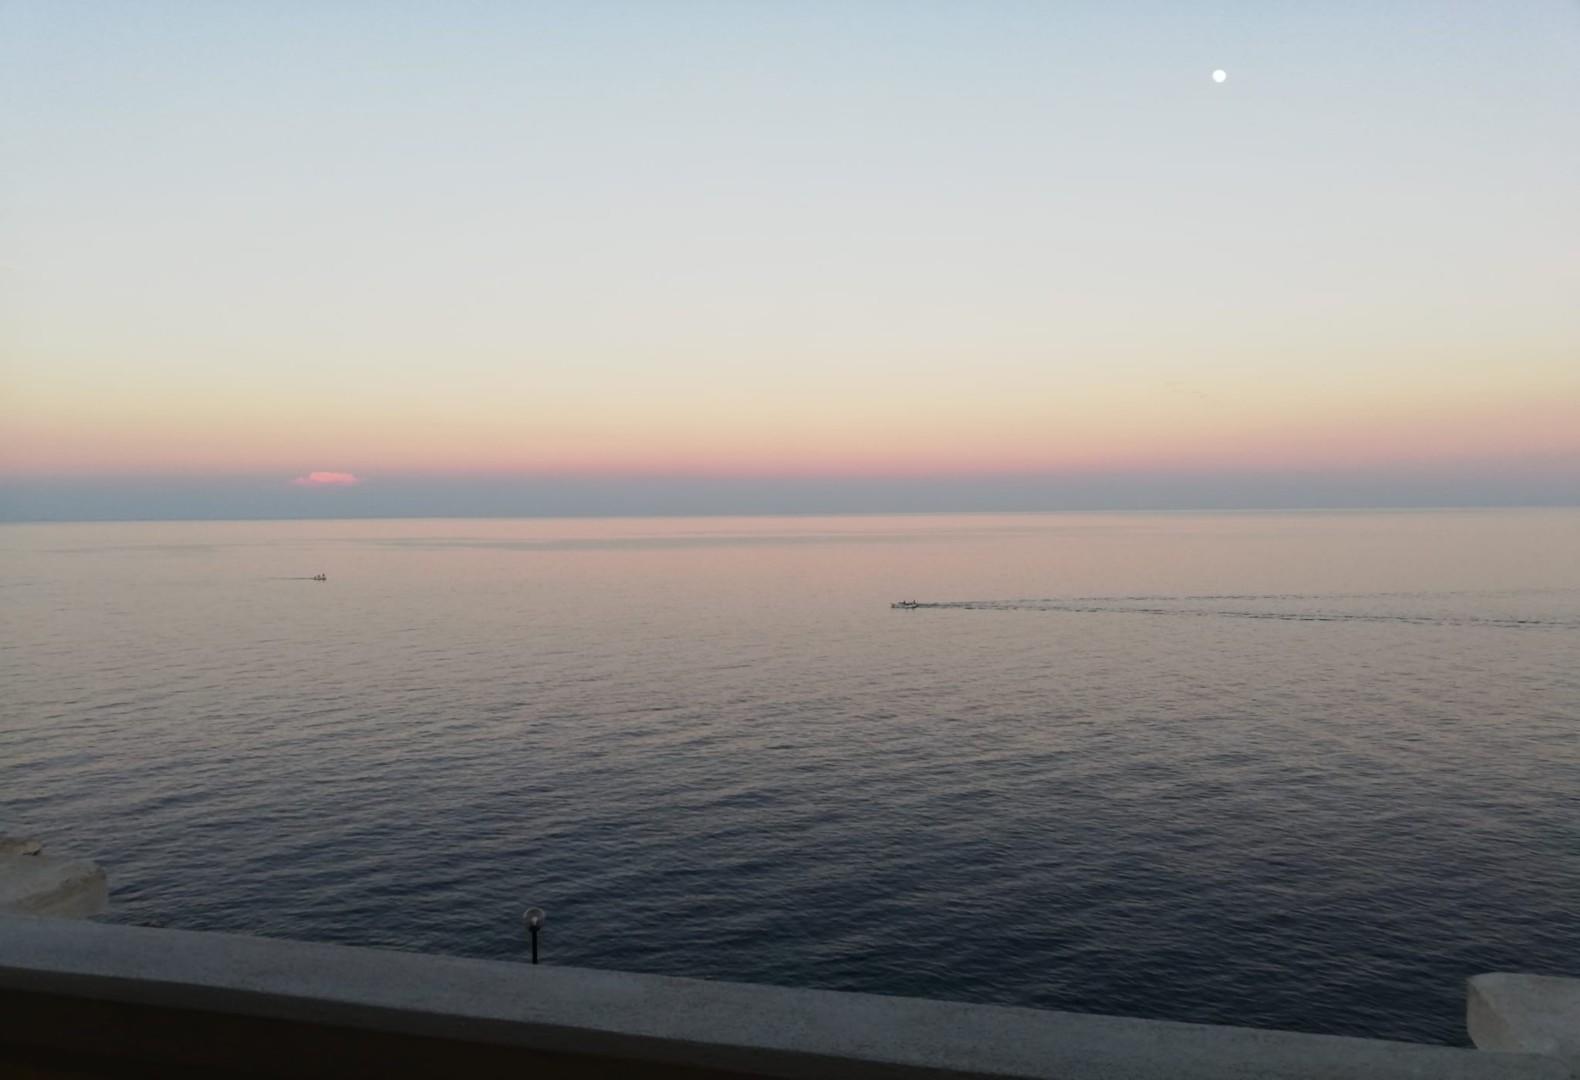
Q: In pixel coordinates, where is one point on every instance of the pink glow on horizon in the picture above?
(846, 438)
(326, 479)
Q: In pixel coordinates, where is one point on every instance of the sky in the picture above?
(305, 259)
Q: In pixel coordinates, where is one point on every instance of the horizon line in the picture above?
(1335, 509)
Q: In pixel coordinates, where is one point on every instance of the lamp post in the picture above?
(534, 920)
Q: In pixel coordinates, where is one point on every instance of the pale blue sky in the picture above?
(857, 239)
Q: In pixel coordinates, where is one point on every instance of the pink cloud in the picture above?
(327, 479)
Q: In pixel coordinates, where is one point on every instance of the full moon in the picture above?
(1219, 75)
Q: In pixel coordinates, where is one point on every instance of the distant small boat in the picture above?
(320, 577)
(906, 604)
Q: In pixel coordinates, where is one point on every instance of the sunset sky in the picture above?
(301, 258)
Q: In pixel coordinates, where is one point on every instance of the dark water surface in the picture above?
(1294, 770)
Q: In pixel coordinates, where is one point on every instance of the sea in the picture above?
(1295, 770)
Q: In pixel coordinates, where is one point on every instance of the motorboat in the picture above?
(908, 605)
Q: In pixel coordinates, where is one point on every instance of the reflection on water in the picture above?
(1303, 770)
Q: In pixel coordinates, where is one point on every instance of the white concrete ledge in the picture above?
(1534, 1014)
(757, 1030)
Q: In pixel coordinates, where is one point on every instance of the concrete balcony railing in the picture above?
(86, 999)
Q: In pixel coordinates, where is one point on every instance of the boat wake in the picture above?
(1213, 607)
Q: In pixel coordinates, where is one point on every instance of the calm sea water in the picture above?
(1296, 770)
